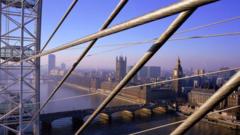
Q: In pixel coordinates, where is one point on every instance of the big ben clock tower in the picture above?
(177, 73)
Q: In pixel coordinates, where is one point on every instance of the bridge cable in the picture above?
(74, 2)
(225, 90)
(147, 84)
(147, 18)
(178, 122)
(208, 25)
(184, 78)
(150, 84)
(209, 36)
(177, 33)
(67, 98)
(112, 16)
(180, 38)
(171, 29)
(136, 43)
(187, 30)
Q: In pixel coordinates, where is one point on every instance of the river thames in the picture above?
(118, 126)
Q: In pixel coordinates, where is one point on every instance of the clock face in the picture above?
(175, 73)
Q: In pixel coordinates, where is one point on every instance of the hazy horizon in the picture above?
(209, 53)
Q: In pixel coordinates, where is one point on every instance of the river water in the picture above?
(118, 126)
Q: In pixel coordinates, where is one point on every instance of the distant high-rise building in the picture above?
(143, 73)
(63, 66)
(199, 80)
(149, 72)
(51, 62)
(154, 72)
(199, 72)
(121, 67)
(178, 73)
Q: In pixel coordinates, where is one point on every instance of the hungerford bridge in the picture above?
(20, 54)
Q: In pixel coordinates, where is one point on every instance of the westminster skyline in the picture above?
(207, 53)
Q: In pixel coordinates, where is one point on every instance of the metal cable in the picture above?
(178, 122)
(74, 2)
(231, 85)
(208, 25)
(67, 98)
(182, 17)
(180, 32)
(112, 16)
(153, 16)
(188, 30)
(147, 84)
(172, 39)
(183, 78)
(136, 43)
(207, 36)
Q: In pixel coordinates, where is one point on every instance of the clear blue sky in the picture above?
(88, 16)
